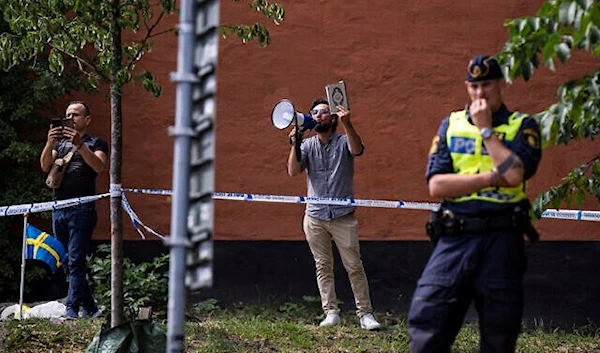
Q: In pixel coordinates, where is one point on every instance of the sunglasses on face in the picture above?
(317, 111)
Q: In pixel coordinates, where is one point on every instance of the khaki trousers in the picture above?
(344, 232)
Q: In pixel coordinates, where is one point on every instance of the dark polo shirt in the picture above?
(80, 178)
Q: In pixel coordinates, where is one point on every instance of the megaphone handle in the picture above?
(297, 143)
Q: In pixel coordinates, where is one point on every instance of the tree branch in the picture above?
(144, 41)
(80, 61)
(589, 163)
(161, 32)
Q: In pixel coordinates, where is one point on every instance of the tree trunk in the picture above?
(116, 157)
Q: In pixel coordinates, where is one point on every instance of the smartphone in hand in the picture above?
(56, 123)
(67, 122)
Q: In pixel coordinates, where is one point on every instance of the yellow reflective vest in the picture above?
(470, 157)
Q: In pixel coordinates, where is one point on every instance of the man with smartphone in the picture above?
(74, 226)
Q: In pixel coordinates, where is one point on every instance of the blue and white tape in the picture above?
(137, 223)
(325, 201)
(549, 213)
(149, 191)
(577, 215)
(574, 215)
(22, 209)
(14, 210)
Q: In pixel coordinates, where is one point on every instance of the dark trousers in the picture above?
(73, 227)
(485, 269)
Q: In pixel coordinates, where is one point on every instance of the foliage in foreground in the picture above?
(560, 28)
(291, 327)
(26, 97)
(144, 284)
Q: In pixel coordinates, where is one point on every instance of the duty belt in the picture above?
(445, 223)
(457, 224)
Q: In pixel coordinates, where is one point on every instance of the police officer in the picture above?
(479, 163)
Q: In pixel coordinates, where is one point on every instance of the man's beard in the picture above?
(324, 127)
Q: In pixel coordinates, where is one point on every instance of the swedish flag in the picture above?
(44, 247)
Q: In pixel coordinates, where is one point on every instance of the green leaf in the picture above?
(93, 81)
(55, 59)
(564, 52)
(592, 34)
(534, 23)
(527, 70)
(550, 47)
(550, 64)
(568, 11)
(521, 25)
(149, 83)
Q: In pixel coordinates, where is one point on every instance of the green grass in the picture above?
(290, 327)
(43, 335)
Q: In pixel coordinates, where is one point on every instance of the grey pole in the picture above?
(23, 256)
(193, 162)
(178, 241)
(200, 219)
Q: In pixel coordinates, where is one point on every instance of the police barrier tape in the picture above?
(577, 215)
(137, 223)
(23, 209)
(47, 206)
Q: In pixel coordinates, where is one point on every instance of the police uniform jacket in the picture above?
(445, 157)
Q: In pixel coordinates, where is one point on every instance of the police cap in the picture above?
(483, 68)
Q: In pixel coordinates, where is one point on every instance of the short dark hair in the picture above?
(87, 109)
(317, 102)
(325, 101)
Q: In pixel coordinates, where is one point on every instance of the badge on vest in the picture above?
(532, 137)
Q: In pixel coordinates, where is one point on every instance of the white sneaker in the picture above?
(368, 322)
(332, 319)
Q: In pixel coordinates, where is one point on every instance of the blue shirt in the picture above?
(329, 173)
(530, 153)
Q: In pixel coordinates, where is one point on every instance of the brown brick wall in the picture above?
(403, 62)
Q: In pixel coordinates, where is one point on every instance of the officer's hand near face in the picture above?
(481, 113)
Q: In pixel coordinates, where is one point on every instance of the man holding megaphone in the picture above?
(328, 158)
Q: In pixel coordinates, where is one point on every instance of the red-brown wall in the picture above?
(403, 62)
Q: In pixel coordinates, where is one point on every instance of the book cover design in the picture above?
(337, 95)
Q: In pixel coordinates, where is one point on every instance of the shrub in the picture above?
(144, 284)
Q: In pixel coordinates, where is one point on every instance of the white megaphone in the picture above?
(284, 114)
